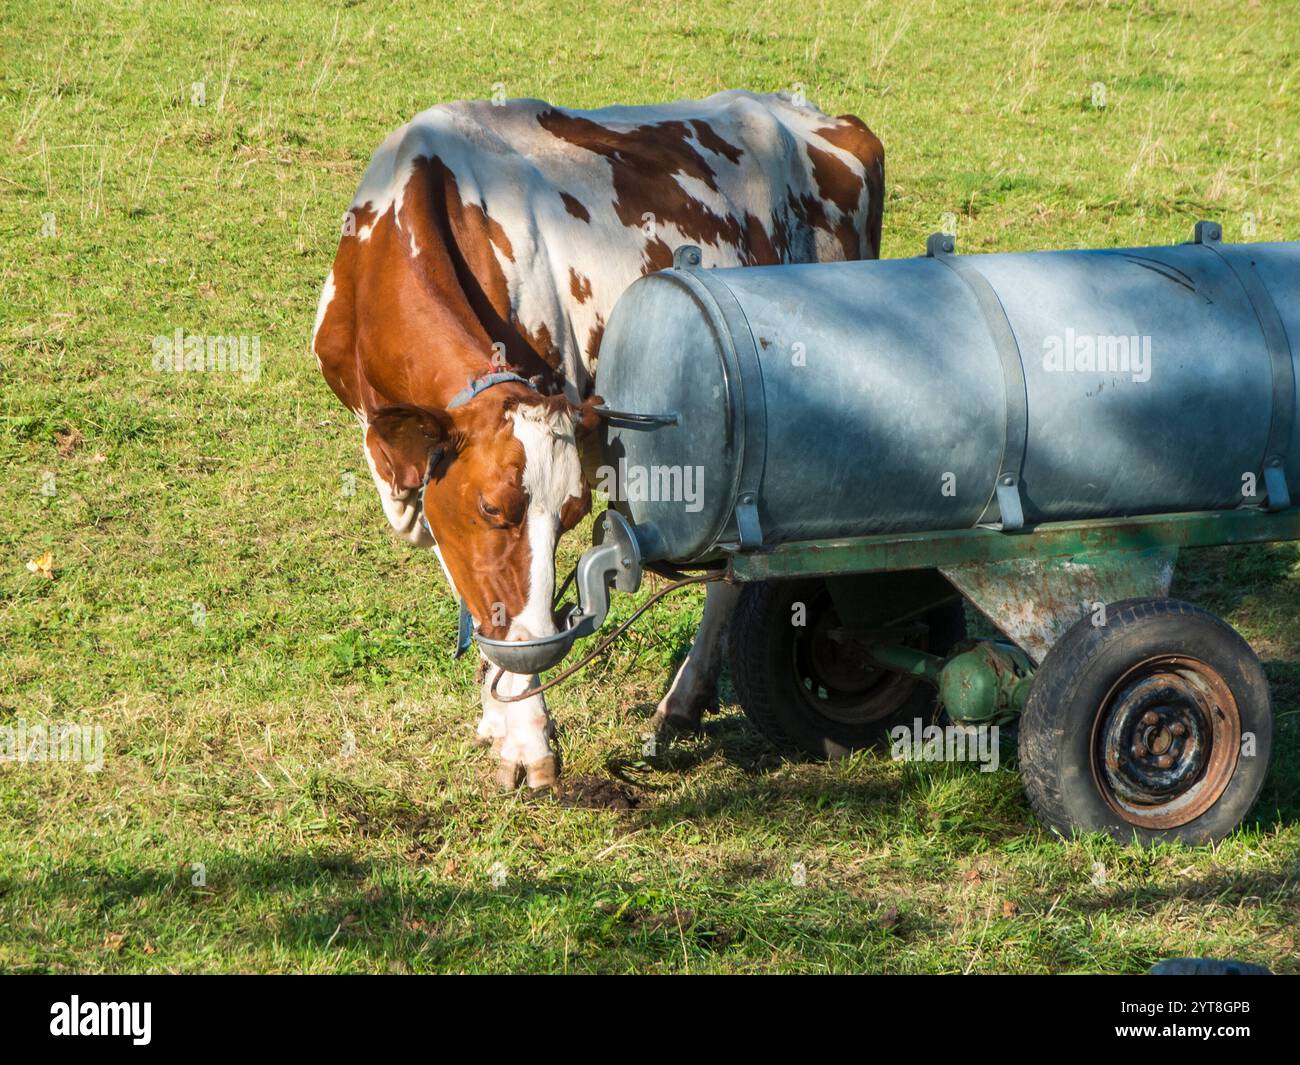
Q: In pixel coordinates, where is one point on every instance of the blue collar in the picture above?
(480, 384)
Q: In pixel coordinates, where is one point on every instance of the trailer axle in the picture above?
(985, 682)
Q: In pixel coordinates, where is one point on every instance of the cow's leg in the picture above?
(526, 749)
(491, 731)
(695, 688)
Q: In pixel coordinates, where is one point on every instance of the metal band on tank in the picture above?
(1007, 489)
(1282, 424)
(738, 336)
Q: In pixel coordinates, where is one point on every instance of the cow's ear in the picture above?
(587, 418)
(409, 440)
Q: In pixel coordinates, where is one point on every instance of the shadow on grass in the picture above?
(1260, 890)
(766, 793)
(1233, 887)
(728, 736)
(330, 911)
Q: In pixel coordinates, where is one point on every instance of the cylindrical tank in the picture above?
(847, 399)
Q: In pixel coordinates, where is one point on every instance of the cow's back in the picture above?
(553, 212)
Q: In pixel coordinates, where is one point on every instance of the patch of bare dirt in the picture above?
(590, 792)
(67, 441)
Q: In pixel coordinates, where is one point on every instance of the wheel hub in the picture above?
(1166, 742)
(835, 678)
(835, 663)
(1155, 743)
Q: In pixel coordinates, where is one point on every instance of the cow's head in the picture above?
(504, 480)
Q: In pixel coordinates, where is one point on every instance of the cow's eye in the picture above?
(507, 511)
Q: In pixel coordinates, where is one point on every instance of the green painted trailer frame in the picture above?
(1058, 540)
(1032, 583)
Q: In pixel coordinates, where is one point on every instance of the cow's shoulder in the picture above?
(438, 242)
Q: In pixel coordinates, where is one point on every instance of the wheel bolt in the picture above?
(1150, 718)
(1139, 749)
(1178, 728)
(1165, 761)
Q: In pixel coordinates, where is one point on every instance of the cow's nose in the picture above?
(519, 631)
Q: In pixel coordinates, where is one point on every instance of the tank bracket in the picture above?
(687, 257)
(940, 244)
(1009, 505)
(1282, 422)
(1207, 233)
(1034, 602)
(1006, 492)
(1279, 495)
(747, 524)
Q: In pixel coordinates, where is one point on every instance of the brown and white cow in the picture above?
(494, 238)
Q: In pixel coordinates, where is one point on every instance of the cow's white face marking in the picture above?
(552, 475)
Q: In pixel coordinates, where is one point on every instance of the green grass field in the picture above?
(288, 781)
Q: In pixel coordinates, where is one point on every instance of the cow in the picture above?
(461, 324)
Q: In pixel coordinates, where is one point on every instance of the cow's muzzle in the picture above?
(614, 559)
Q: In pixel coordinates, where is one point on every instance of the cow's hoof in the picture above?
(544, 773)
(509, 775)
(669, 722)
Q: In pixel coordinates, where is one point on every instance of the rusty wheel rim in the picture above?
(1165, 742)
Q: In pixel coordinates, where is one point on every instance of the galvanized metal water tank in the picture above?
(946, 391)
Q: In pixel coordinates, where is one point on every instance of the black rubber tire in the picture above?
(760, 648)
(1070, 690)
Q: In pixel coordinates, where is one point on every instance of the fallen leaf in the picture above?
(207, 290)
(42, 564)
(150, 949)
(450, 869)
(889, 918)
(114, 941)
(973, 876)
(1009, 908)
